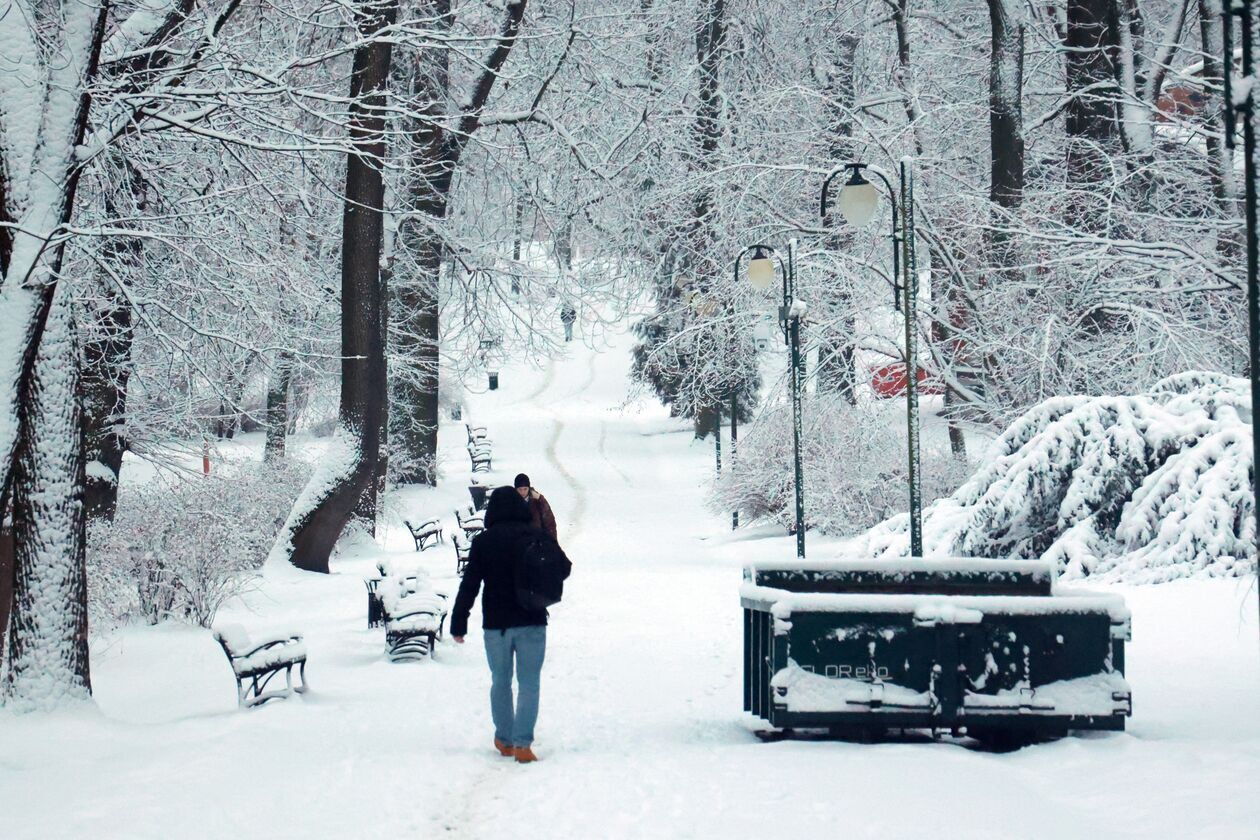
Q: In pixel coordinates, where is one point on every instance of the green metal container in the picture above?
(978, 647)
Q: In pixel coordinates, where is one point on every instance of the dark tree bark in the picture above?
(363, 371)
(1006, 111)
(564, 244)
(7, 568)
(435, 153)
(706, 136)
(415, 332)
(33, 327)
(1220, 159)
(103, 392)
(107, 363)
(48, 650)
(278, 406)
(1091, 119)
(836, 371)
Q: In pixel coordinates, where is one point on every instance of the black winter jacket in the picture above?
(490, 560)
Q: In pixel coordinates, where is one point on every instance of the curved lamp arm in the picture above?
(856, 167)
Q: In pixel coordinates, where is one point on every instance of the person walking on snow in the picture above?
(540, 514)
(511, 631)
(568, 314)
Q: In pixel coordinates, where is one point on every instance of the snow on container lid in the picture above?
(782, 604)
(952, 576)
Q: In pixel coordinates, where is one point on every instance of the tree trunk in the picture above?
(518, 239)
(352, 483)
(836, 371)
(1092, 132)
(57, 78)
(415, 328)
(48, 650)
(278, 406)
(6, 578)
(706, 134)
(103, 394)
(1006, 110)
(564, 245)
(107, 341)
(1220, 165)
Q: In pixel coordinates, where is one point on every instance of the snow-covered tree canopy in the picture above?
(1143, 488)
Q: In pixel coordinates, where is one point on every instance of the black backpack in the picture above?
(540, 570)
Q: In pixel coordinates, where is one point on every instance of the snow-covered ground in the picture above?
(640, 733)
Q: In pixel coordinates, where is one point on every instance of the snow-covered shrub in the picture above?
(1142, 488)
(855, 467)
(180, 546)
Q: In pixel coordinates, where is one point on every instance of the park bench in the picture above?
(376, 613)
(256, 662)
(470, 523)
(375, 610)
(426, 534)
(415, 616)
(462, 547)
(480, 456)
(475, 433)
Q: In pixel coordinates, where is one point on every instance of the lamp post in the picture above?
(857, 201)
(1234, 106)
(761, 272)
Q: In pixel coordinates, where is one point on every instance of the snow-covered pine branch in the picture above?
(1143, 488)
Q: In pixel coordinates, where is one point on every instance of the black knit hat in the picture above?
(521, 480)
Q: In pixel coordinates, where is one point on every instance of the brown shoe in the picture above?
(525, 755)
(504, 749)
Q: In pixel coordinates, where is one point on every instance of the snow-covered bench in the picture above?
(376, 613)
(415, 616)
(426, 534)
(475, 433)
(480, 455)
(462, 547)
(470, 523)
(255, 662)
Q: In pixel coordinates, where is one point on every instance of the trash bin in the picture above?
(987, 648)
(494, 380)
(479, 493)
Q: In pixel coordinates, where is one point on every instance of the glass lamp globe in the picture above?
(760, 271)
(857, 200)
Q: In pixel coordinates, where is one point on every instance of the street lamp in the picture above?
(1244, 103)
(857, 201)
(760, 269)
(858, 198)
(761, 272)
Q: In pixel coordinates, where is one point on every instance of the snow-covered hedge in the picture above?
(855, 467)
(180, 546)
(1144, 488)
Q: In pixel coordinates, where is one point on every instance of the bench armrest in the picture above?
(269, 644)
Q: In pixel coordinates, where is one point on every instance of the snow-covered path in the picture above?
(640, 729)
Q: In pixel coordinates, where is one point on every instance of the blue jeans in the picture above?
(528, 644)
